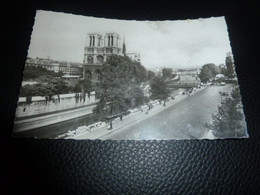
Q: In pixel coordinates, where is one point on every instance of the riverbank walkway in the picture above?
(99, 132)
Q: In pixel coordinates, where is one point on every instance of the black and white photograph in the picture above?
(98, 78)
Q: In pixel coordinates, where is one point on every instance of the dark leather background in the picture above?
(132, 167)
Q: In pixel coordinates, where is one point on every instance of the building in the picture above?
(67, 68)
(188, 72)
(42, 62)
(188, 77)
(189, 80)
(98, 49)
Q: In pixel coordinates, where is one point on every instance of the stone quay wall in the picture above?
(40, 105)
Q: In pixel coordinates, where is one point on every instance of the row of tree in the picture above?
(118, 90)
(53, 86)
(120, 86)
(228, 122)
(209, 71)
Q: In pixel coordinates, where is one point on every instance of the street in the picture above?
(183, 120)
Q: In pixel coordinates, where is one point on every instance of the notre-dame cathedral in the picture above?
(97, 51)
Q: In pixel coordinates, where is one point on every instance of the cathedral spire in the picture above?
(124, 46)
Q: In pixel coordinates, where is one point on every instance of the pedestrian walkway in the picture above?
(99, 132)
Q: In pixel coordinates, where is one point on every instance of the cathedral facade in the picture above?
(98, 49)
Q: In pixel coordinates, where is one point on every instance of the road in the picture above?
(183, 120)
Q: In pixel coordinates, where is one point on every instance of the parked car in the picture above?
(222, 83)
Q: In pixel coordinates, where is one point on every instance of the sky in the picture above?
(175, 44)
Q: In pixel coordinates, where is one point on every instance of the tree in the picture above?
(59, 86)
(119, 85)
(208, 71)
(54, 86)
(137, 96)
(28, 91)
(228, 121)
(159, 88)
(150, 74)
(223, 71)
(139, 72)
(59, 74)
(230, 67)
(84, 86)
(167, 72)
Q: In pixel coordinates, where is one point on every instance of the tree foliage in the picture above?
(228, 121)
(159, 88)
(230, 67)
(137, 96)
(168, 73)
(150, 75)
(120, 85)
(54, 86)
(84, 86)
(223, 70)
(208, 71)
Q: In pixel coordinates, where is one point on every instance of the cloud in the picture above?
(160, 26)
(161, 43)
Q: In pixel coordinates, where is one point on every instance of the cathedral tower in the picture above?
(97, 51)
(124, 47)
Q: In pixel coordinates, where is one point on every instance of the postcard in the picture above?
(98, 78)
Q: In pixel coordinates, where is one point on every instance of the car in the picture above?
(144, 107)
(222, 83)
(134, 110)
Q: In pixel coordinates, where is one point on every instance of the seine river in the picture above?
(52, 131)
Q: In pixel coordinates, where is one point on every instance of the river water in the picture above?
(52, 131)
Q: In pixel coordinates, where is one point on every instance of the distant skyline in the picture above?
(175, 44)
